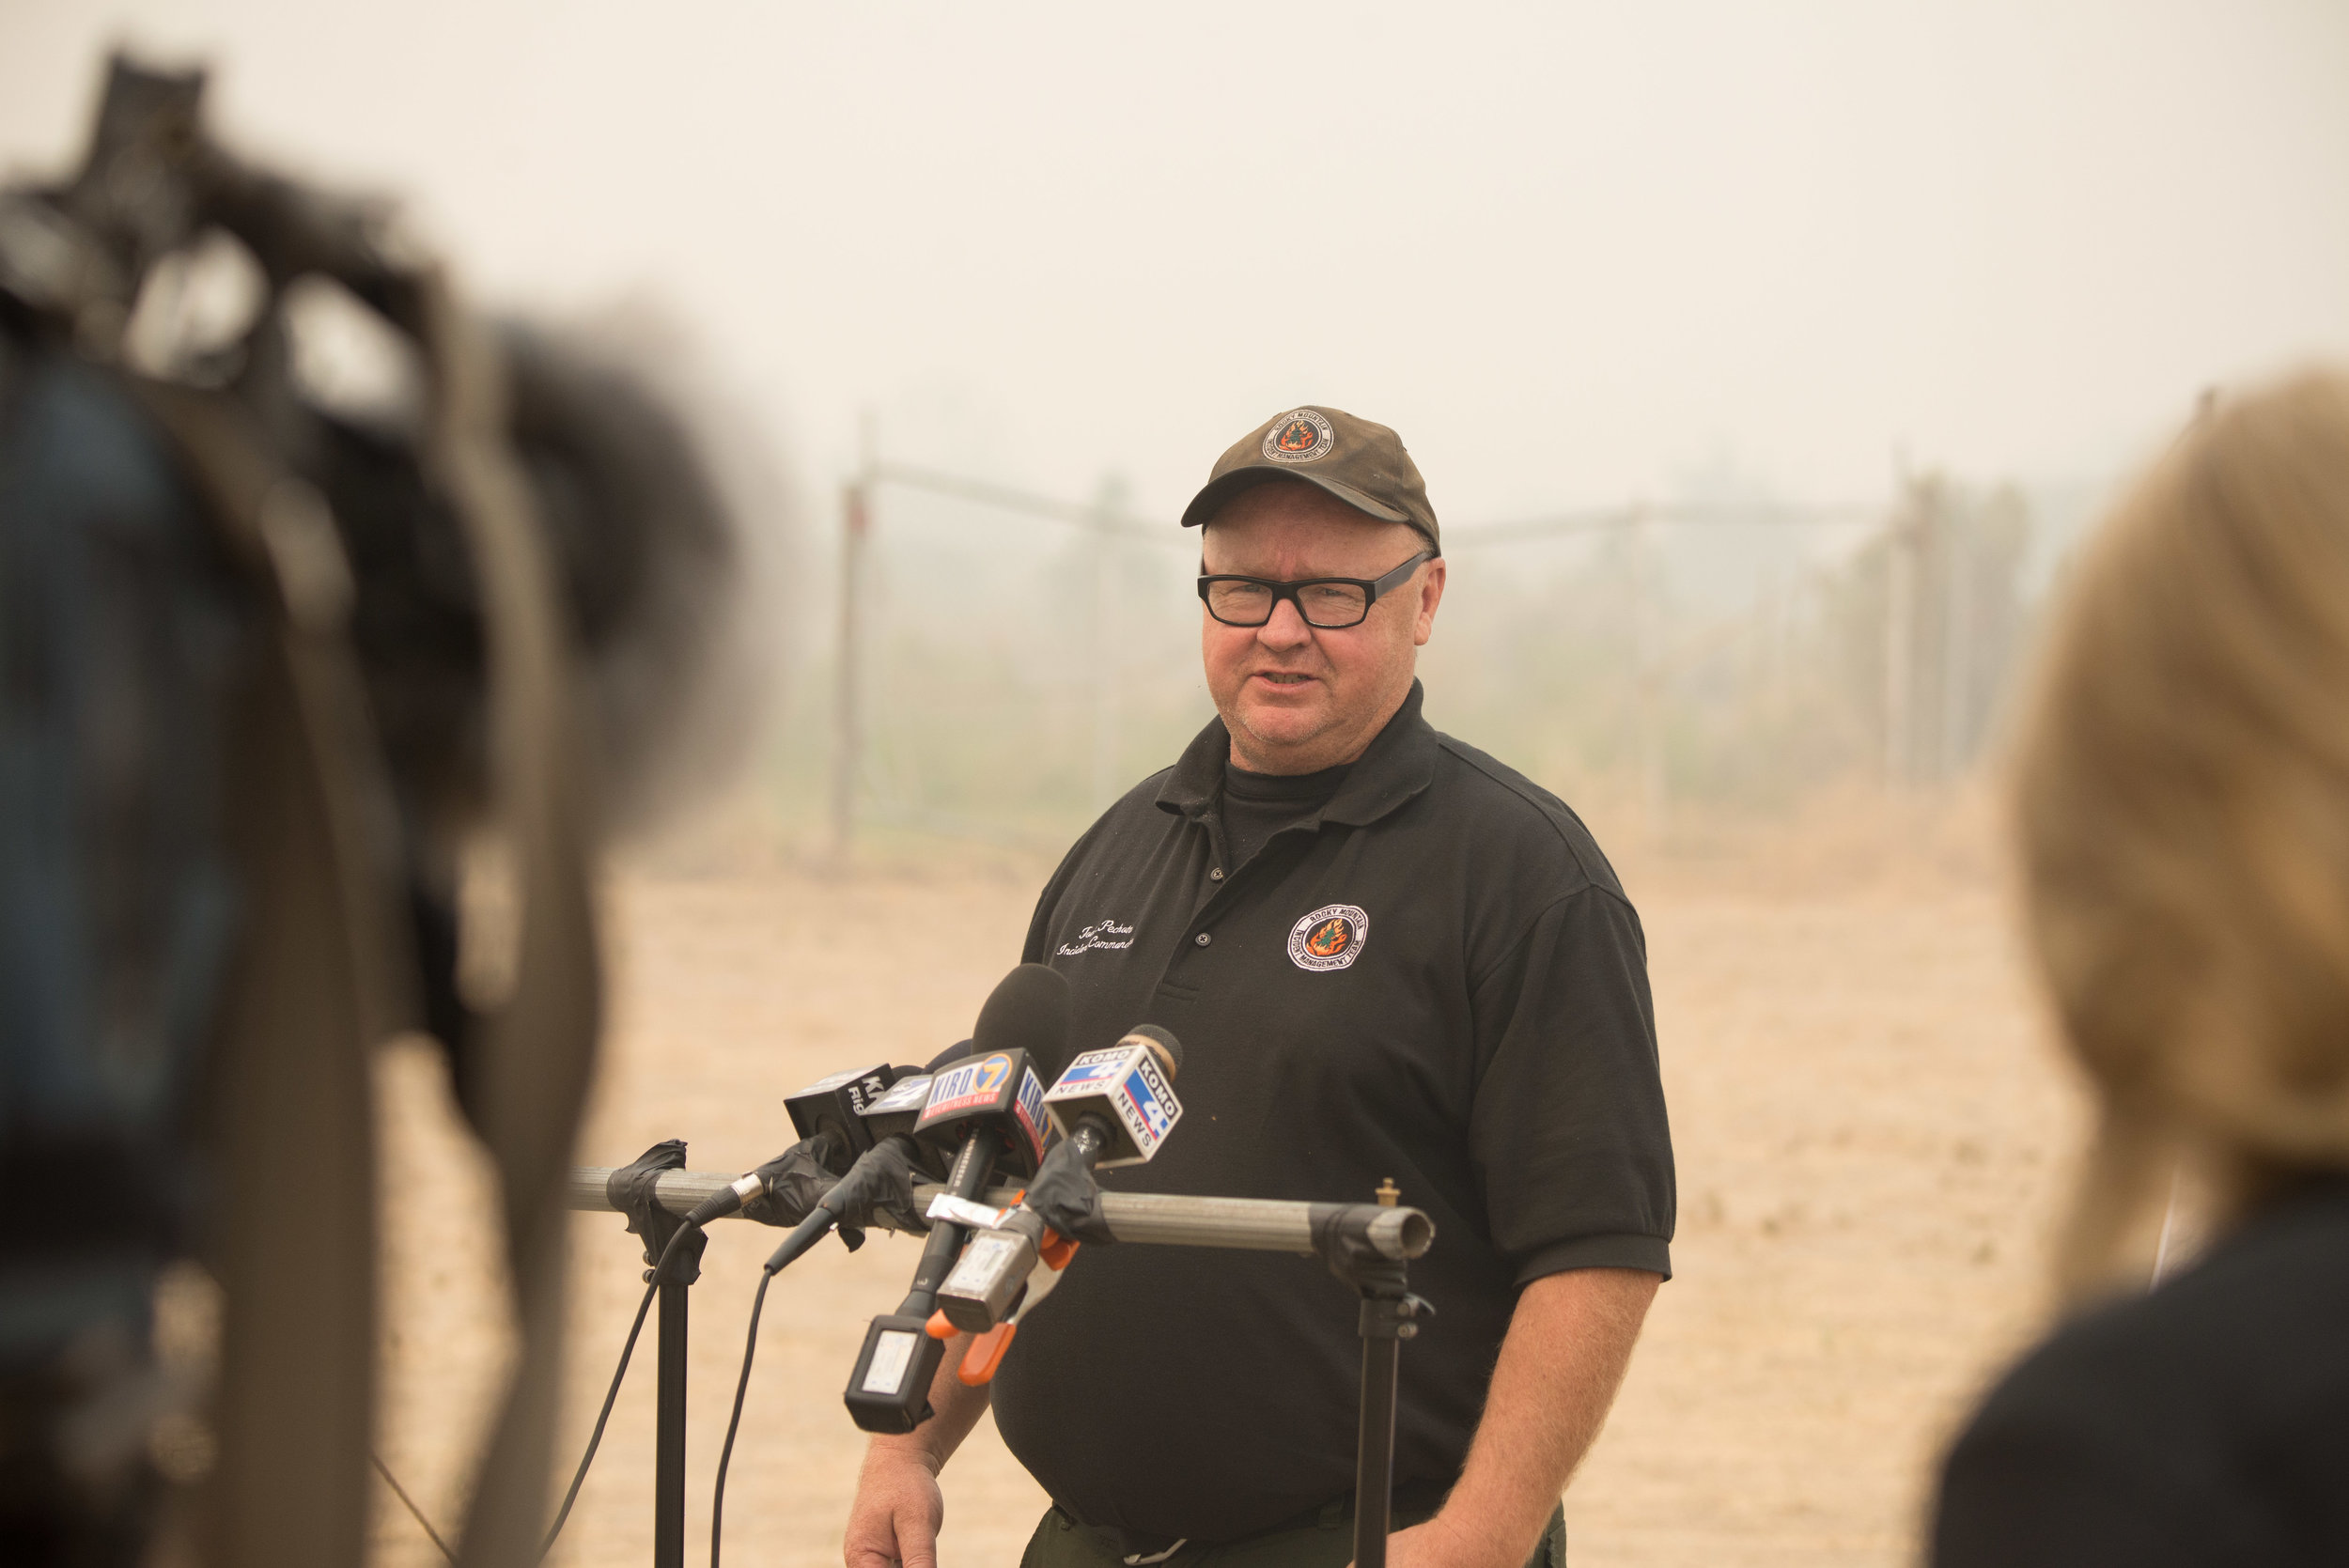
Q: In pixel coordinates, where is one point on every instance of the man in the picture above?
(1388, 955)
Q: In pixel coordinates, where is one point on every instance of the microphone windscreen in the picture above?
(1028, 1011)
(946, 1057)
(1165, 1038)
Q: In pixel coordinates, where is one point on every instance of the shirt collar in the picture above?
(1400, 763)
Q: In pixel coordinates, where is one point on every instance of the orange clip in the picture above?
(985, 1355)
(1057, 1249)
(939, 1328)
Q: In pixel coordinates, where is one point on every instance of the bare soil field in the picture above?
(1872, 1136)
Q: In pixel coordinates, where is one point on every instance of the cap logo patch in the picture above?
(1303, 437)
(1330, 937)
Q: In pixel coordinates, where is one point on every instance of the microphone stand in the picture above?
(1389, 1316)
(1365, 1245)
(668, 1466)
(652, 1215)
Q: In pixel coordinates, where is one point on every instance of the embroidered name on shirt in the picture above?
(1107, 934)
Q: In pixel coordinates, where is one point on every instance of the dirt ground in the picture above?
(1872, 1140)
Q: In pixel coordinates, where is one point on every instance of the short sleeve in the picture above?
(1568, 1131)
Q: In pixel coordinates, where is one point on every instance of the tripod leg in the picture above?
(1374, 1460)
(668, 1504)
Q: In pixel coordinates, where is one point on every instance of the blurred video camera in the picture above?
(312, 581)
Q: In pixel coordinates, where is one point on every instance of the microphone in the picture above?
(901, 1107)
(883, 1168)
(828, 1115)
(839, 1105)
(1118, 1105)
(1113, 1108)
(989, 1108)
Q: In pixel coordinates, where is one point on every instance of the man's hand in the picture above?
(1443, 1543)
(894, 1521)
(897, 1512)
(1569, 1342)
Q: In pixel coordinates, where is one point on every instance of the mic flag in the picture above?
(1128, 1087)
(997, 1094)
(1112, 1106)
(838, 1106)
(997, 1090)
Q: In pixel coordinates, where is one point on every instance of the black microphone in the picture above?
(989, 1108)
(882, 1177)
(882, 1174)
(839, 1105)
(1113, 1108)
(828, 1115)
(902, 1108)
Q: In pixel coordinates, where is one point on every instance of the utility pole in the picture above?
(856, 518)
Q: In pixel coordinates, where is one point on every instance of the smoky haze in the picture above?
(1765, 361)
(1569, 251)
(1724, 258)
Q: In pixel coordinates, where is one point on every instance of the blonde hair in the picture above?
(2181, 807)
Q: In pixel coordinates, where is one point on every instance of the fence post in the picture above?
(1957, 636)
(1103, 657)
(1900, 641)
(856, 518)
(1648, 673)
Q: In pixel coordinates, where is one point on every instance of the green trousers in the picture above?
(1325, 1540)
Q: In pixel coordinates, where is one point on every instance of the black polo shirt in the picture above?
(1433, 977)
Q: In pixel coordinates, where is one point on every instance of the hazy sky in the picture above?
(1571, 251)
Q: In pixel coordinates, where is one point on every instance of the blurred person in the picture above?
(276, 648)
(1389, 956)
(2183, 816)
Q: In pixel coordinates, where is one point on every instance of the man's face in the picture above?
(1297, 698)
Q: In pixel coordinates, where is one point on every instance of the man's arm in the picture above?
(898, 1506)
(1568, 1345)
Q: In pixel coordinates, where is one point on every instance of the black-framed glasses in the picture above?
(1327, 603)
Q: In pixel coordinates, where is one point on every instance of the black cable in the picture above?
(652, 1288)
(805, 1235)
(726, 1455)
(417, 1513)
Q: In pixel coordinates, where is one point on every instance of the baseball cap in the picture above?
(1362, 464)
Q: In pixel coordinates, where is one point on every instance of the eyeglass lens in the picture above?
(1327, 605)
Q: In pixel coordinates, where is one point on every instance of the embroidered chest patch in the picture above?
(1330, 937)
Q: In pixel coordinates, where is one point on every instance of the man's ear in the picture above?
(1431, 581)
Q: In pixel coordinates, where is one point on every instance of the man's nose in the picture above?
(1286, 628)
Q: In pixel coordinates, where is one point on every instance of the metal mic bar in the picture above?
(1148, 1218)
(1365, 1243)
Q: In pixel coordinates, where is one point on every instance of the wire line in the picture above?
(417, 1513)
(595, 1438)
(726, 1455)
